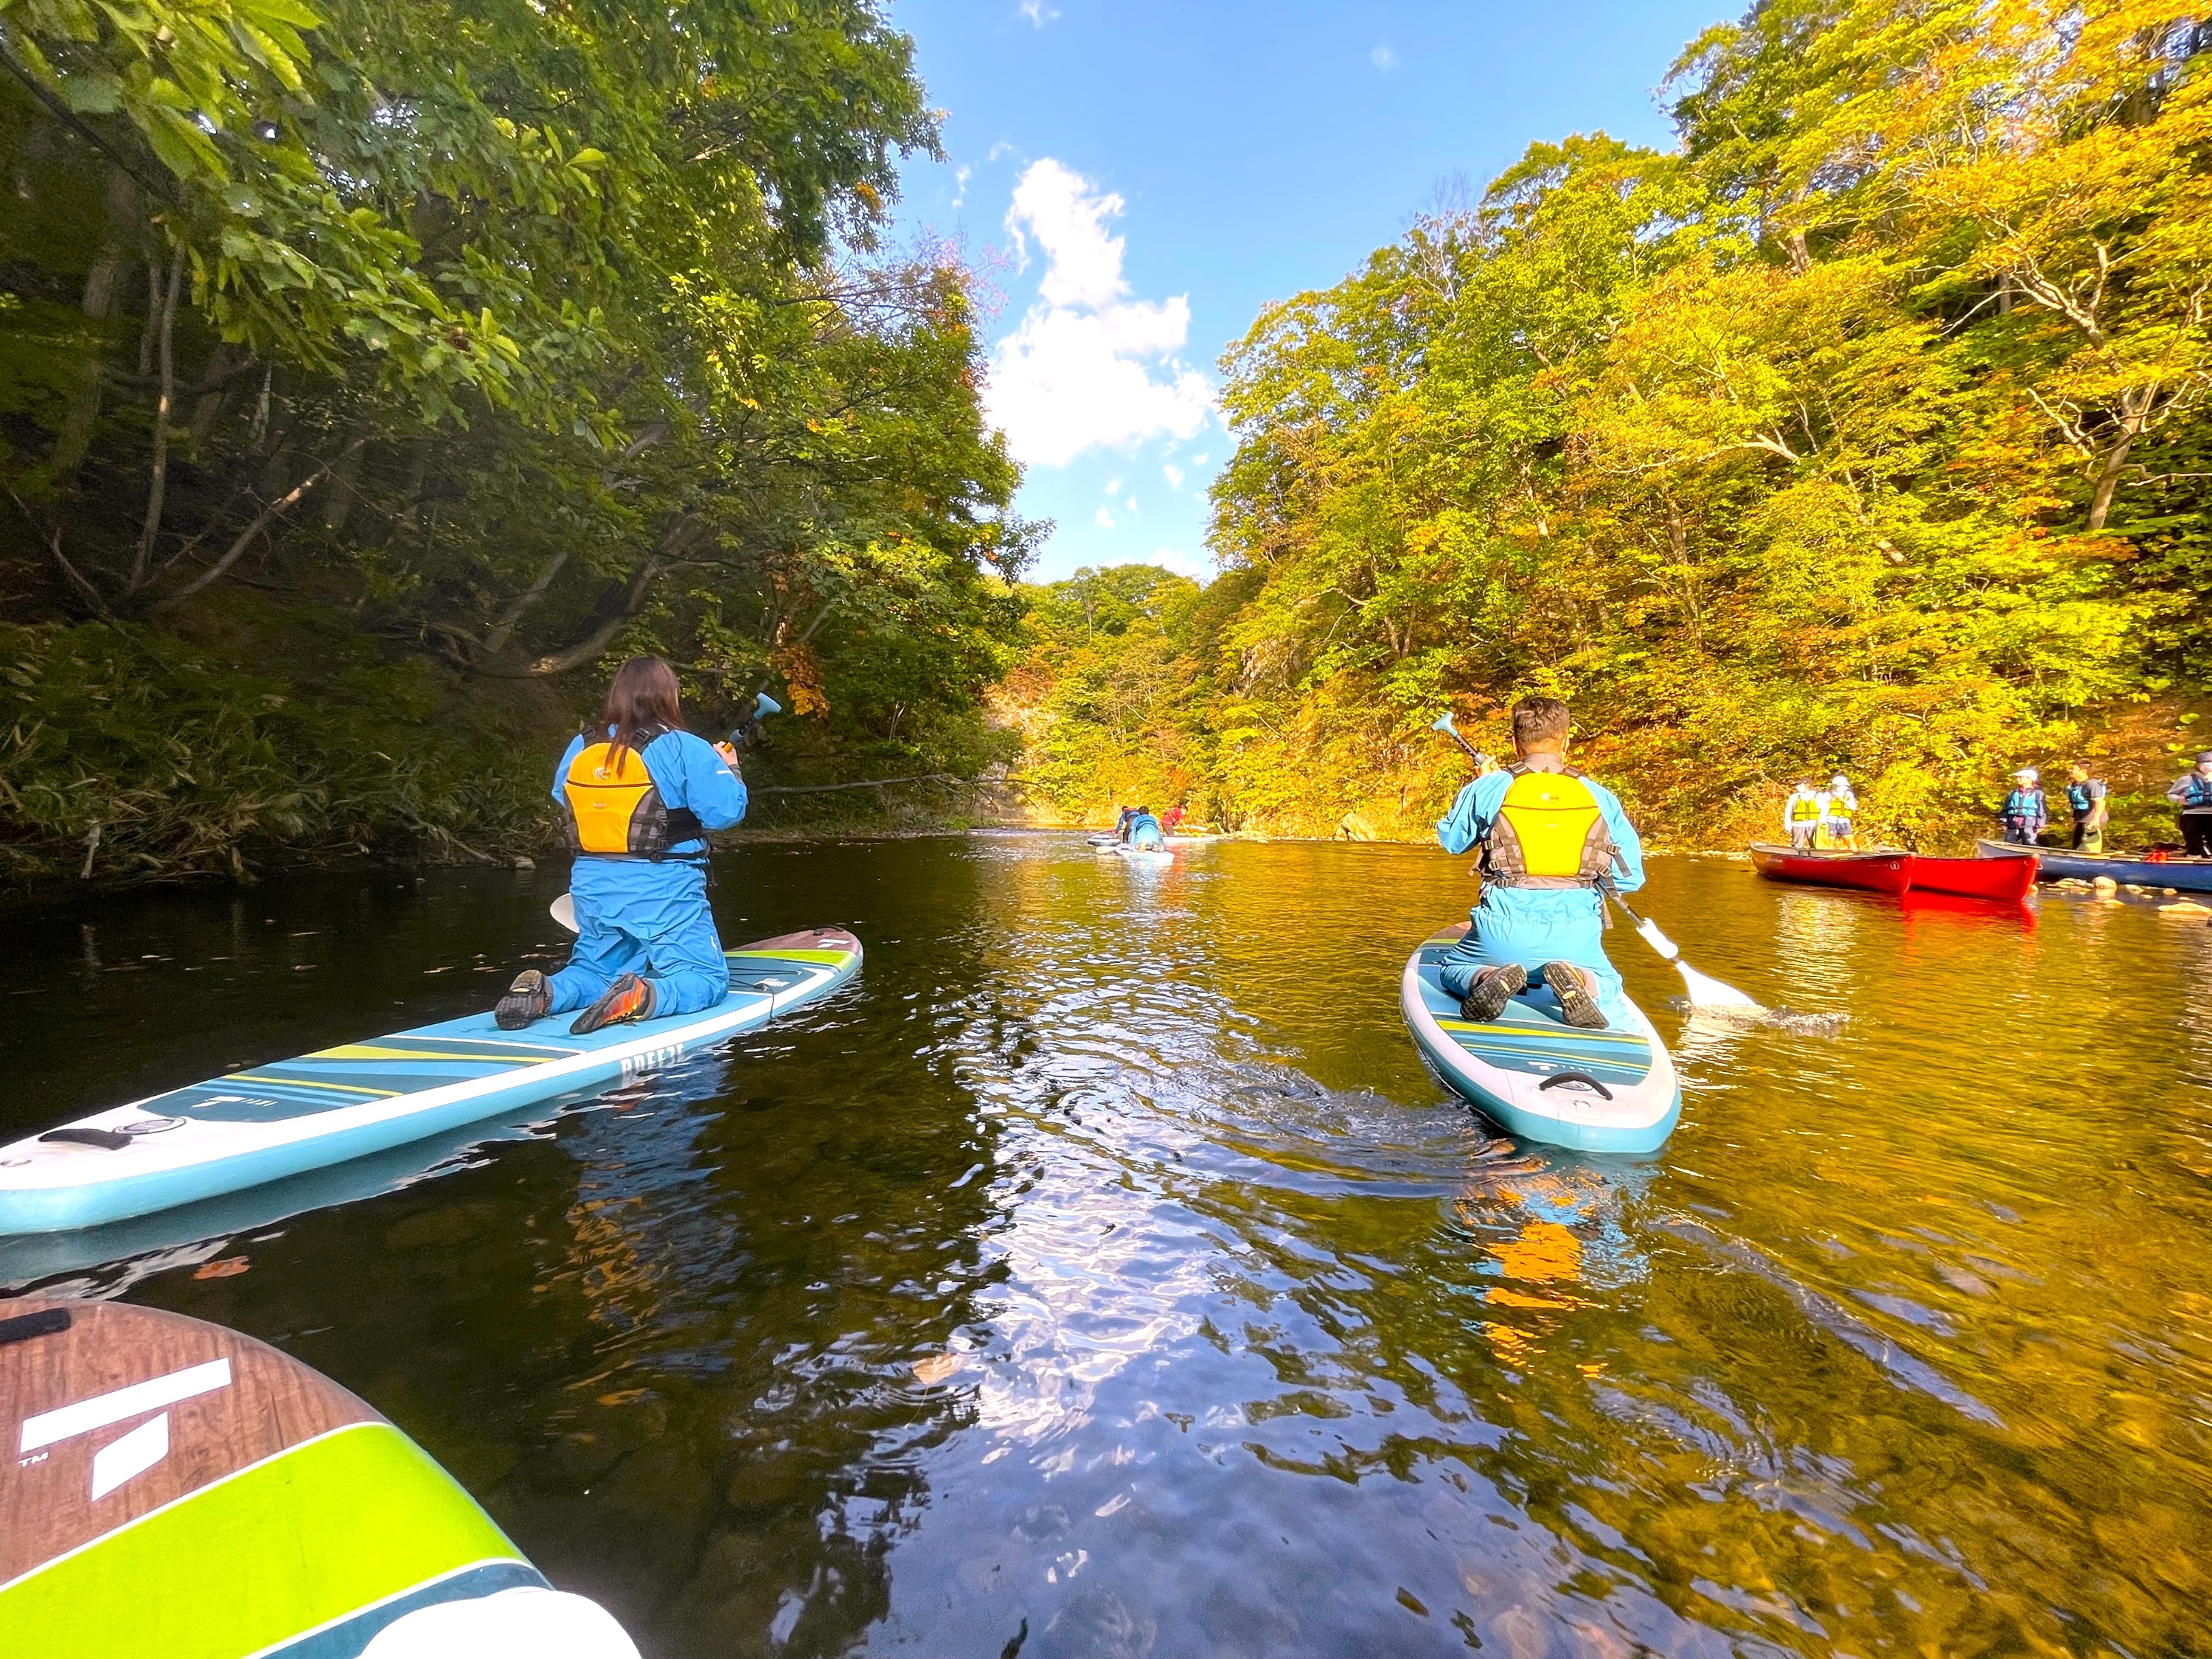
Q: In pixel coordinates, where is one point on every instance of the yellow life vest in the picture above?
(614, 807)
(1548, 833)
(1804, 809)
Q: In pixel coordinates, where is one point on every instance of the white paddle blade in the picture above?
(564, 911)
(1657, 940)
(1706, 991)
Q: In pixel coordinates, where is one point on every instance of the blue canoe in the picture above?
(2182, 875)
(270, 1122)
(1537, 1076)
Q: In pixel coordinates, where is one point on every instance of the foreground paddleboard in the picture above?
(1537, 1076)
(270, 1122)
(172, 1490)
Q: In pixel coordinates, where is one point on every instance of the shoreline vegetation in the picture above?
(361, 403)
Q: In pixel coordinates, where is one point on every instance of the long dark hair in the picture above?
(641, 700)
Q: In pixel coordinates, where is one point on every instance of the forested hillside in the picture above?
(1864, 430)
(371, 370)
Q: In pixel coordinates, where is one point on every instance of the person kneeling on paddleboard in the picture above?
(1145, 833)
(638, 800)
(1551, 840)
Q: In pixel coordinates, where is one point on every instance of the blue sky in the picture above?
(1135, 180)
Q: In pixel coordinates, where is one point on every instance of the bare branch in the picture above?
(261, 521)
(166, 363)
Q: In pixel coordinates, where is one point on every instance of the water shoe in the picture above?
(629, 998)
(527, 998)
(1494, 987)
(1577, 1002)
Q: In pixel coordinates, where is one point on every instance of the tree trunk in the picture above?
(103, 287)
(164, 405)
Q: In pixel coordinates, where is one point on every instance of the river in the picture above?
(1101, 1273)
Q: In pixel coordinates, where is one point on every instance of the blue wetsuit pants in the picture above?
(650, 919)
(1532, 926)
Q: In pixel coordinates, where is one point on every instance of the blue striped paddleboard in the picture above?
(1537, 1076)
(270, 1121)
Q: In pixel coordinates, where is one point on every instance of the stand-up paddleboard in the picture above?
(1535, 1075)
(174, 1489)
(270, 1121)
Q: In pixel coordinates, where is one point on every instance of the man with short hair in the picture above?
(2085, 795)
(2192, 795)
(1551, 840)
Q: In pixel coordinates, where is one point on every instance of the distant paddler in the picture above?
(1142, 832)
(1551, 840)
(638, 797)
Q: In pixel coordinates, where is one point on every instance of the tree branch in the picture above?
(166, 363)
(261, 521)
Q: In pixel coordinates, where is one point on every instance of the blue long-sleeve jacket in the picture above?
(1469, 820)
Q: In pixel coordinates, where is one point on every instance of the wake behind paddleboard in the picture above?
(270, 1121)
(1537, 1076)
(174, 1489)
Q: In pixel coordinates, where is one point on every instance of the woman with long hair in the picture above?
(638, 799)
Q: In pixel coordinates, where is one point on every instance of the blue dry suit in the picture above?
(1533, 926)
(636, 916)
(1144, 831)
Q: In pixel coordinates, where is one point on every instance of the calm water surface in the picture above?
(1101, 1273)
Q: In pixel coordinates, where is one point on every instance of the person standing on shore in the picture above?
(2085, 795)
(1838, 806)
(2025, 812)
(2192, 795)
(1801, 816)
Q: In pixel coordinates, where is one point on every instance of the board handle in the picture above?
(1558, 1078)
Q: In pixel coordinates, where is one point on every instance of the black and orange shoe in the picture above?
(529, 998)
(629, 998)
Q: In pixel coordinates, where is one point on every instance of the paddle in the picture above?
(563, 908)
(1705, 991)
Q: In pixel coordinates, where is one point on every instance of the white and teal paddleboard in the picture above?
(270, 1121)
(172, 1490)
(1537, 1076)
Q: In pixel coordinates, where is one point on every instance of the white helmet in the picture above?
(2027, 775)
(1840, 781)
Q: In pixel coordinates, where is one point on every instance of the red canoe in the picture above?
(2006, 880)
(1885, 870)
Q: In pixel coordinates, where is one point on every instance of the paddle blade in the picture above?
(564, 911)
(1706, 991)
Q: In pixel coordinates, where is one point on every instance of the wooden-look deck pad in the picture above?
(174, 1489)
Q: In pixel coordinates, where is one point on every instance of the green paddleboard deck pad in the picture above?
(267, 1122)
(1537, 1076)
(176, 1491)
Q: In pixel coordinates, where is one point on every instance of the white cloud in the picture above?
(1105, 519)
(1382, 58)
(961, 176)
(1174, 476)
(1183, 564)
(1113, 487)
(1198, 460)
(1038, 12)
(1087, 367)
(1131, 503)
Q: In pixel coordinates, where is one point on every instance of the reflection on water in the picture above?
(1101, 1273)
